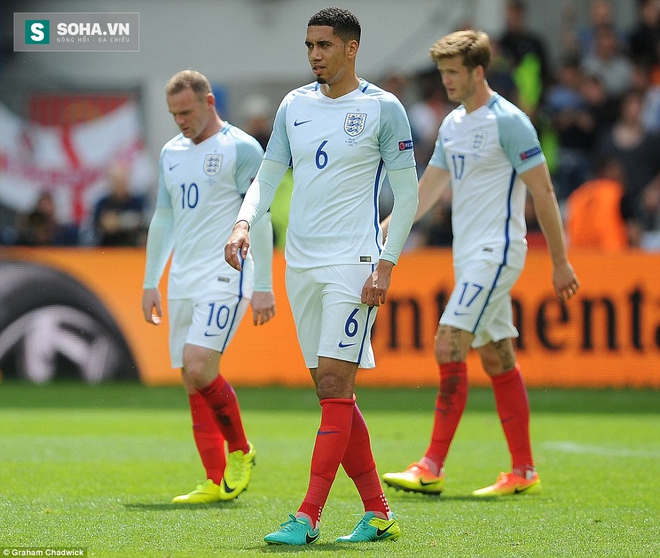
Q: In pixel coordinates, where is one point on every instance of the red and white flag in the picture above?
(70, 161)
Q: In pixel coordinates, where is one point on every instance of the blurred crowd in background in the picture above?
(597, 112)
(598, 118)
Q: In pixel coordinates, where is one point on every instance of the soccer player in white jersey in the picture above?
(341, 135)
(204, 173)
(489, 153)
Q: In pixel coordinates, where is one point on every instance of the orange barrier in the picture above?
(607, 336)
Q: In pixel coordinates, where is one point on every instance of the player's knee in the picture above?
(497, 358)
(195, 373)
(492, 369)
(451, 344)
(494, 365)
(443, 353)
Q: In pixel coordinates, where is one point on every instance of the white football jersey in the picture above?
(484, 152)
(340, 150)
(204, 185)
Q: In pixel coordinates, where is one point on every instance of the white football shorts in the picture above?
(209, 321)
(331, 321)
(481, 301)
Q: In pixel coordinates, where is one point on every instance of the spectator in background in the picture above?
(437, 223)
(427, 114)
(258, 118)
(40, 226)
(528, 57)
(574, 125)
(644, 39)
(119, 218)
(398, 84)
(639, 153)
(651, 97)
(609, 63)
(500, 75)
(599, 213)
(601, 12)
(603, 109)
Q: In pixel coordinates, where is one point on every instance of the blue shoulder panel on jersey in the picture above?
(518, 137)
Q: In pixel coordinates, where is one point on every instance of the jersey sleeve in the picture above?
(160, 236)
(438, 157)
(160, 241)
(278, 148)
(248, 158)
(520, 141)
(404, 187)
(163, 199)
(261, 192)
(395, 137)
(261, 234)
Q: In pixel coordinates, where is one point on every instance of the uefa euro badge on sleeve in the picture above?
(212, 163)
(354, 123)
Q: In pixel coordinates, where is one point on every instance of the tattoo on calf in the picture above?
(504, 349)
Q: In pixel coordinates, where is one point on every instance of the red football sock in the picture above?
(513, 409)
(208, 438)
(331, 441)
(449, 406)
(359, 464)
(221, 398)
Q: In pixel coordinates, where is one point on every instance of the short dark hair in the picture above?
(344, 23)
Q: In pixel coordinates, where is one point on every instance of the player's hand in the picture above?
(236, 249)
(151, 302)
(263, 307)
(375, 288)
(565, 281)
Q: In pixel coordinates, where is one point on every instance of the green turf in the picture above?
(96, 466)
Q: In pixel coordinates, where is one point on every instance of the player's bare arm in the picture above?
(432, 185)
(374, 292)
(151, 306)
(564, 279)
(236, 249)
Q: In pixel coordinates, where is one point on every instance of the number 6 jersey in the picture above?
(340, 150)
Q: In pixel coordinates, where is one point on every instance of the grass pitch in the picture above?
(95, 467)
